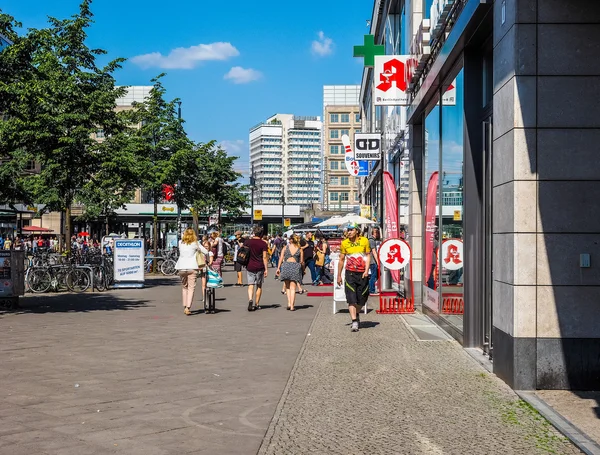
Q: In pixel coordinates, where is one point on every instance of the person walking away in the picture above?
(238, 243)
(218, 252)
(257, 268)
(209, 260)
(309, 260)
(289, 269)
(188, 267)
(277, 247)
(374, 242)
(354, 251)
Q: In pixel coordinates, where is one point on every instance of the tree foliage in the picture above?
(54, 111)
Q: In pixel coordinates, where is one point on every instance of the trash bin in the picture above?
(386, 280)
(12, 277)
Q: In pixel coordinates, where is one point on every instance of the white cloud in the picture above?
(239, 75)
(323, 46)
(187, 57)
(232, 147)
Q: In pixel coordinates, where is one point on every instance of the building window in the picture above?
(100, 134)
(344, 196)
(357, 117)
(334, 134)
(334, 196)
(334, 118)
(355, 197)
(345, 118)
(346, 132)
(333, 165)
(345, 180)
(334, 149)
(334, 180)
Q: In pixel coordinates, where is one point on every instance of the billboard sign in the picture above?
(129, 263)
(367, 146)
(391, 80)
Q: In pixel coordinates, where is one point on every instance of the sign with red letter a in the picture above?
(391, 80)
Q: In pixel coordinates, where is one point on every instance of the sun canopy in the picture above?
(36, 229)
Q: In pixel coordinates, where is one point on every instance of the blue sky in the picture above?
(238, 62)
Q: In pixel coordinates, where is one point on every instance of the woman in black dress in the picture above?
(289, 268)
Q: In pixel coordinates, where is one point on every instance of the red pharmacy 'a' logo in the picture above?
(393, 73)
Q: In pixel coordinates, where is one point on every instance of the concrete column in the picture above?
(546, 206)
(415, 205)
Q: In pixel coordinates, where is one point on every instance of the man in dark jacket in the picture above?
(256, 270)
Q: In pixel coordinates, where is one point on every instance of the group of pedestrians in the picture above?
(294, 256)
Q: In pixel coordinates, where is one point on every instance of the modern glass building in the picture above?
(501, 134)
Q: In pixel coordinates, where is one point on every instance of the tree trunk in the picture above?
(68, 227)
(155, 234)
(106, 226)
(195, 220)
(219, 219)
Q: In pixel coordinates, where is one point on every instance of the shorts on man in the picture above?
(255, 278)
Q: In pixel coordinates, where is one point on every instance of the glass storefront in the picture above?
(443, 246)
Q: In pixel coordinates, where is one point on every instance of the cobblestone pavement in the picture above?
(125, 372)
(380, 391)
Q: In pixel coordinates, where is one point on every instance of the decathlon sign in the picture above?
(367, 146)
(391, 80)
(129, 263)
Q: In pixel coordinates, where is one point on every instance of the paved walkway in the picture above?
(381, 391)
(125, 372)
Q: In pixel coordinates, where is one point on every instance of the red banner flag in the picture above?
(391, 213)
(168, 192)
(430, 209)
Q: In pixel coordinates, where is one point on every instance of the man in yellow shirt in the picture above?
(355, 250)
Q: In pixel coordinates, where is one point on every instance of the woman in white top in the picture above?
(188, 266)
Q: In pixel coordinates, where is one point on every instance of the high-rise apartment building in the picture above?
(341, 116)
(285, 159)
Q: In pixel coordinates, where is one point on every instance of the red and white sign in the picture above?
(452, 254)
(394, 254)
(391, 80)
(351, 163)
(449, 97)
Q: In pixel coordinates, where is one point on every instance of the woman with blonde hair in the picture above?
(188, 268)
(289, 269)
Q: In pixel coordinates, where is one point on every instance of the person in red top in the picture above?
(256, 270)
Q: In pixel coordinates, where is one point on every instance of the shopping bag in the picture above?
(214, 279)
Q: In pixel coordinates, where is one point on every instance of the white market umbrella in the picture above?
(333, 221)
(353, 218)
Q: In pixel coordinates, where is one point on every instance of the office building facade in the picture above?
(341, 116)
(285, 160)
(501, 132)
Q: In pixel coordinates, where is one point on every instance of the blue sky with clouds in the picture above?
(233, 63)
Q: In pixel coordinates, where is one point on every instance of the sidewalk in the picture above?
(381, 391)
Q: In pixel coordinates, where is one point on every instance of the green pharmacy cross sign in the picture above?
(369, 50)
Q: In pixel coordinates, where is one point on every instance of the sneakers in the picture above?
(250, 305)
(358, 319)
(354, 327)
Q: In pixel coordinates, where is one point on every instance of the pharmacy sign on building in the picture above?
(391, 80)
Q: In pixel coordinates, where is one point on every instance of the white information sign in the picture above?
(367, 146)
(351, 163)
(129, 263)
(391, 80)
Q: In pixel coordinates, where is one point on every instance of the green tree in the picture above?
(55, 110)
(157, 134)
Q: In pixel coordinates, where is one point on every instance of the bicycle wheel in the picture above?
(168, 267)
(78, 280)
(60, 280)
(99, 279)
(39, 280)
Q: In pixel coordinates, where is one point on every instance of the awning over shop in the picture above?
(36, 229)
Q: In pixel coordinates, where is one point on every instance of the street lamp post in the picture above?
(252, 185)
(178, 182)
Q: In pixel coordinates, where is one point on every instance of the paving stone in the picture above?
(380, 391)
